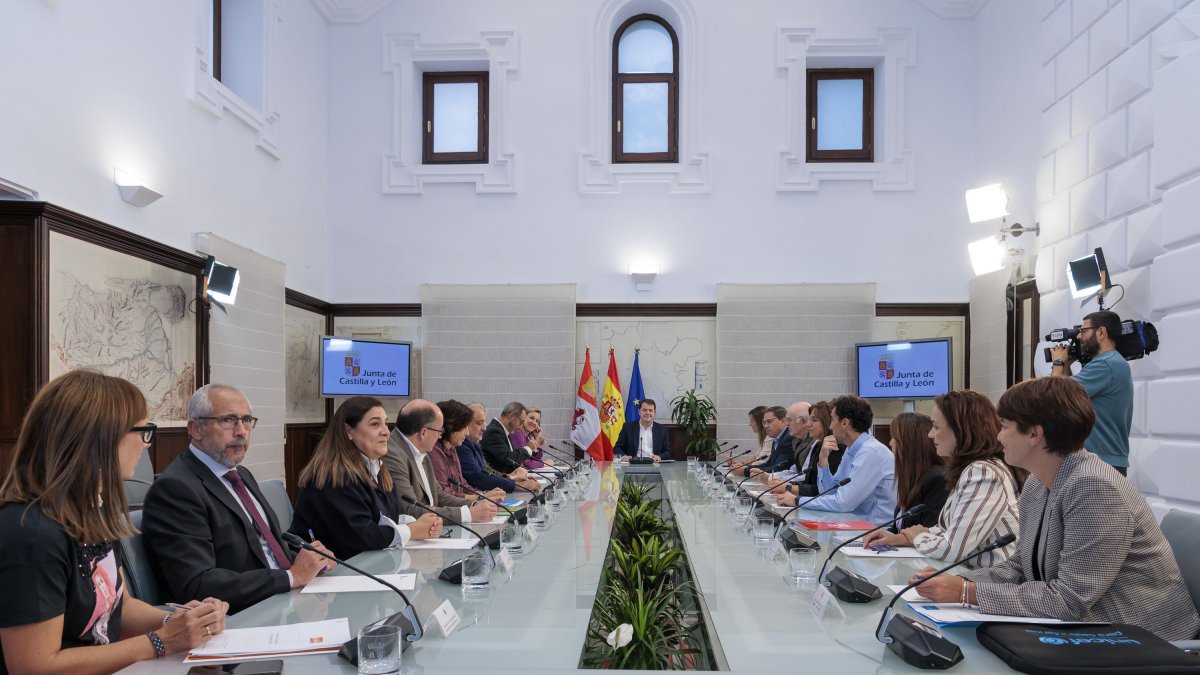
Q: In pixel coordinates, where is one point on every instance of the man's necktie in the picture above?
(264, 530)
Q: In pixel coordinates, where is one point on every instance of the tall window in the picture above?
(841, 115)
(454, 119)
(645, 91)
(237, 48)
(1022, 339)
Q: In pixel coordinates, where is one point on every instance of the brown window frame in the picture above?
(619, 80)
(428, 81)
(867, 153)
(1015, 356)
(216, 40)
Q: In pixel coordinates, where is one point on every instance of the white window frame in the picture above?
(691, 174)
(891, 53)
(406, 57)
(210, 95)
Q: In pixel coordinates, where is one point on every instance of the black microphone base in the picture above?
(792, 539)
(493, 540)
(452, 574)
(641, 460)
(921, 646)
(349, 650)
(521, 516)
(850, 587)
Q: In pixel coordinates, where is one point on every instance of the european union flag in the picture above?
(636, 392)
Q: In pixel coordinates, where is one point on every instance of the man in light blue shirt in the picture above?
(871, 492)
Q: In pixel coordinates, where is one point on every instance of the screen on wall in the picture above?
(356, 367)
(904, 370)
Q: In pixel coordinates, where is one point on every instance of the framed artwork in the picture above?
(304, 404)
(124, 316)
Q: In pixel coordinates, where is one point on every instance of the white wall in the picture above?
(89, 86)
(1120, 171)
(912, 244)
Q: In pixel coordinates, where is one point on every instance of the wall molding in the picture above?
(597, 173)
(954, 9)
(405, 57)
(16, 192)
(643, 309)
(892, 52)
(213, 97)
(373, 309)
(349, 11)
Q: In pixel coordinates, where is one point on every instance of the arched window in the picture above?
(645, 91)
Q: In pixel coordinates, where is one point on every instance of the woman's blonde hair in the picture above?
(336, 461)
(66, 459)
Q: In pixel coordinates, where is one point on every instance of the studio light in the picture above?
(989, 203)
(220, 282)
(987, 255)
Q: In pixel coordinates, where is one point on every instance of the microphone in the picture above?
(920, 645)
(791, 538)
(852, 587)
(405, 619)
(758, 499)
(733, 457)
(519, 516)
(561, 457)
(453, 573)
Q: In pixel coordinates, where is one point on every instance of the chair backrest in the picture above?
(277, 497)
(137, 487)
(1182, 530)
(143, 585)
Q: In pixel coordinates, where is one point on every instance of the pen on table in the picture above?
(177, 606)
(311, 538)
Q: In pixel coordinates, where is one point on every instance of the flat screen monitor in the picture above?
(905, 370)
(357, 367)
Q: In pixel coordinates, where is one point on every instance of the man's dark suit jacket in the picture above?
(201, 541)
(808, 486)
(628, 440)
(500, 453)
(781, 455)
(406, 481)
(475, 469)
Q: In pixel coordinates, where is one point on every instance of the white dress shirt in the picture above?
(403, 533)
(646, 441)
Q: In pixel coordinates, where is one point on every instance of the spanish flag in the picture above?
(612, 408)
(585, 424)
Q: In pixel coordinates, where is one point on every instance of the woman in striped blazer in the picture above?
(1090, 548)
(982, 504)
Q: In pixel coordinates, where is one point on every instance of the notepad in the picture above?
(353, 583)
(252, 644)
(863, 552)
(460, 544)
(954, 614)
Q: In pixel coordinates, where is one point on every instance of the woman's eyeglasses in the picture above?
(146, 431)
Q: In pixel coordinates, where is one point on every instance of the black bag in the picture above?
(1067, 649)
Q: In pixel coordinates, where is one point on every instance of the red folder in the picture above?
(831, 525)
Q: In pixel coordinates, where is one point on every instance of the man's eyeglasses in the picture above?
(230, 421)
(147, 431)
(439, 431)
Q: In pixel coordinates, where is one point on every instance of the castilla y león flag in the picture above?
(585, 424)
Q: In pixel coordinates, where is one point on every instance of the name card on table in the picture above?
(824, 604)
(504, 561)
(447, 619)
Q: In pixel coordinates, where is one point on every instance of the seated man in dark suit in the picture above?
(208, 529)
(497, 447)
(475, 468)
(418, 427)
(647, 438)
(781, 456)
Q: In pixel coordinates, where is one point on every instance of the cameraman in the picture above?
(1109, 384)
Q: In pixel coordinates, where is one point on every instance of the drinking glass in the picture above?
(728, 493)
(379, 650)
(536, 513)
(475, 572)
(764, 532)
(554, 499)
(512, 536)
(802, 566)
(744, 506)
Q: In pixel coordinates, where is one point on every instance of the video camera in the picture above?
(1137, 339)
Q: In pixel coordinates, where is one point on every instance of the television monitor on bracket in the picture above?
(907, 370)
(362, 367)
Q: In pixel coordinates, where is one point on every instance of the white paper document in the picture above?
(245, 644)
(500, 519)
(954, 614)
(351, 583)
(862, 552)
(453, 543)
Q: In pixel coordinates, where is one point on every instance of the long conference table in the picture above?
(535, 617)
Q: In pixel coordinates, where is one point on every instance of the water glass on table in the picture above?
(764, 533)
(802, 567)
(744, 506)
(379, 650)
(512, 536)
(475, 572)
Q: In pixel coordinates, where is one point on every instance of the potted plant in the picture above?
(693, 413)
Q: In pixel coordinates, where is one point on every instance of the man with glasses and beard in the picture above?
(1108, 382)
(208, 529)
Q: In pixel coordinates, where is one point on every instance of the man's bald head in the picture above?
(798, 419)
(421, 422)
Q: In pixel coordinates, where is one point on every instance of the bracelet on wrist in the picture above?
(160, 649)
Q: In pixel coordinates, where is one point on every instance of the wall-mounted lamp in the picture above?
(220, 283)
(989, 203)
(643, 274)
(133, 189)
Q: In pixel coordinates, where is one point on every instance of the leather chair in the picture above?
(1182, 530)
(277, 498)
(143, 584)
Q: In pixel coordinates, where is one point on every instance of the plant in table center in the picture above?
(693, 413)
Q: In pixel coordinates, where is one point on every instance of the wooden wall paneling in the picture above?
(169, 443)
(674, 309)
(299, 443)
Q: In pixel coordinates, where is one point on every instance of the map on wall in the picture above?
(125, 317)
(301, 334)
(676, 354)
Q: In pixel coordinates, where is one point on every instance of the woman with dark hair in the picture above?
(920, 475)
(456, 417)
(820, 427)
(64, 607)
(764, 442)
(1090, 548)
(982, 501)
(345, 499)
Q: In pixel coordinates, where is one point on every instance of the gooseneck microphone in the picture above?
(453, 572)
(511, 514)
(405, 619)
(560, 457)
(852, 587)
(920, 645)
(793, 538)
(758, 499)
(731, 458)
